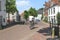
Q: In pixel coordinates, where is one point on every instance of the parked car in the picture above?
(22, 21)
(36, 20)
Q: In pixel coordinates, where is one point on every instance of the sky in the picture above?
(26, 4)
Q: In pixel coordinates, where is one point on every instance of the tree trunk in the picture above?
(8, 18)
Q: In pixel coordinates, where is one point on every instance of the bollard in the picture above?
(59, 35)
(53, 32)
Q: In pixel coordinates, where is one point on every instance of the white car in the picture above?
(36, 20)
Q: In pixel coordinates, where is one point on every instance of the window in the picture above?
(54, 10)
(3, 19)
(54, 18)
(0, 5)
(49, 18)
(49, 12)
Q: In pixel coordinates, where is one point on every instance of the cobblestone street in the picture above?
(22, 32)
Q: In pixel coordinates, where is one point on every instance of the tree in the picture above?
(10, 7)
(32, 12)
(58, 18)
(26, 15)
(45, 19)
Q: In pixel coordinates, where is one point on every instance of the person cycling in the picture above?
(32, 24)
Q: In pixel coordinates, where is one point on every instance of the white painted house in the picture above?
(40, 12)
(13, 17)
(39, 16)
(3, 12)
(52, 7)
(52, 13)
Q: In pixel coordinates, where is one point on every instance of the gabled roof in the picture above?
(40, 11)
(51, 3)
(47, 5)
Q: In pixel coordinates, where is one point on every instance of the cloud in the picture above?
(23, 5)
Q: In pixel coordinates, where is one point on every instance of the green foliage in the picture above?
(0, 27)
(58, 18)
(46, 19)
(10, 6)
(26, 15)
(32, 12)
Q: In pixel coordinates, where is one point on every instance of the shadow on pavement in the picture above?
(12, 24)
(45, 31)
(34, 28)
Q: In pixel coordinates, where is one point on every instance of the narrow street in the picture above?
(22, 32)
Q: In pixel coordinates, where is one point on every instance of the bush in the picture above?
(58, 18)
(0, 28)
(45, 19)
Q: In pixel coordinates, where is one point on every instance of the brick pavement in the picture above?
(22, 32)
(41, 36)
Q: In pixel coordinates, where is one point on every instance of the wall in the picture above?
(12, 16)
(39, 16)
(51, 14)
(3, 11)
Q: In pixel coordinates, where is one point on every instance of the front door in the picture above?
(0, 22)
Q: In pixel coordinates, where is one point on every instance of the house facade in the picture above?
(52, 9)
(40, 13)
(13, 17)
(3, 12)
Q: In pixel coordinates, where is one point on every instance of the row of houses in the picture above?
(39, 15)
(4, 15)
(52, 7)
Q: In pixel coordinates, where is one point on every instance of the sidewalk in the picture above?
(43, 34)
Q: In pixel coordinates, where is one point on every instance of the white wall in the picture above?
(39, 16)
(51, 14)
(30, 18)
(3, 11)
(11, 16)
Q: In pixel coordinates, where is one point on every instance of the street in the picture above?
(22, 32)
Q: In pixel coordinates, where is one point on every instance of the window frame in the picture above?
(54, 10)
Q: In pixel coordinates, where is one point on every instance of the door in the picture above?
(0, 22)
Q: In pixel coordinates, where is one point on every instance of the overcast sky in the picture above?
(26, 4)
